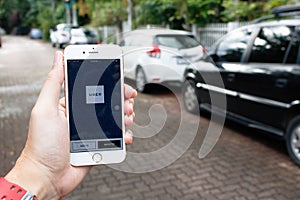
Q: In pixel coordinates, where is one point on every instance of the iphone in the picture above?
(94, 88)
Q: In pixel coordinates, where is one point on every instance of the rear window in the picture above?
(177, 41)
(137, 40)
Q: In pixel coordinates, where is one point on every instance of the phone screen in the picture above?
(95, 105)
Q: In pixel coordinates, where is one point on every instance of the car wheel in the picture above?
(293, 139)
(56, 44)
(61, 46)
(190, 98)
(141, 82)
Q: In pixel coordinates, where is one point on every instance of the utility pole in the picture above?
(129, 15)
(237, 3)
(68, 12)
(53, 6)
(74, 13)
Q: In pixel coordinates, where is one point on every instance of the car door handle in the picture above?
(281, 82)
(230, 77)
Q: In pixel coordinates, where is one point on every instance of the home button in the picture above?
(97, 157)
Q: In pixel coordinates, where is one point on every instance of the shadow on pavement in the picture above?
(157, 89)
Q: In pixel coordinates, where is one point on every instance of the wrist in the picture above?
(31, 177)
(13, 191)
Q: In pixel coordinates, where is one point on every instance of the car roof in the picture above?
(153, 32)
(286, 22)
(289, 22)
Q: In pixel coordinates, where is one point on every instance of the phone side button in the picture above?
(97, 157)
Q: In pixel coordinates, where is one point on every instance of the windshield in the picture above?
(177, 41)
(89, 33)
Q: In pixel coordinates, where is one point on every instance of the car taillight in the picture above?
(204, 51)
(155, 52)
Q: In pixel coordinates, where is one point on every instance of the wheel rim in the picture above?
(295, 141)
(190, 98)
(140, 80)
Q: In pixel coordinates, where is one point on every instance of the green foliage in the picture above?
(274, 3)
(161, 12)
(179, 14)
(202, 12)
(151, 12)
(41, 15)
(247, 11)
(45, 21)
(9, 12)
(31, 16)
(106, 12)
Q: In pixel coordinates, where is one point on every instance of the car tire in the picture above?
(293, 139)
(140, 81)
(190, 99)
(53, 45)
(56, 44)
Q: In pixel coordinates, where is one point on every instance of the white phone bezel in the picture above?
(95, 52)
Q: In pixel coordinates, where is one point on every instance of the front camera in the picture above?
(83, 52)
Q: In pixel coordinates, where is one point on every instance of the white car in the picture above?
(78, 36)
(158, 55)
(61, 35)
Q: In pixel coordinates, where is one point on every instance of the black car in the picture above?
(259, 69)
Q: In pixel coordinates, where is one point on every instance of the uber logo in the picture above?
(94, 94)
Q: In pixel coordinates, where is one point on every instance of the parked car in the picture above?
(260, 68)
(158, 55)
(60, 35)
(92, 36)
(78, 36)
(35, 33)
(2, 32)
(20, 30)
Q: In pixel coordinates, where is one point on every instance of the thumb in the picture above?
(50, 93)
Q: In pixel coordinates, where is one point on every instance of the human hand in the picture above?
(44, 165)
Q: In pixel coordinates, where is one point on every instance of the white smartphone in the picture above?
(94, 90)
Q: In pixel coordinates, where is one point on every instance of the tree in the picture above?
(11, 13)
(106, 12)
(202, 12)
(178, 14)
(161, 12)
(249, 9)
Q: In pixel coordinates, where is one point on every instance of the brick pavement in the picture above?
(246, 165)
